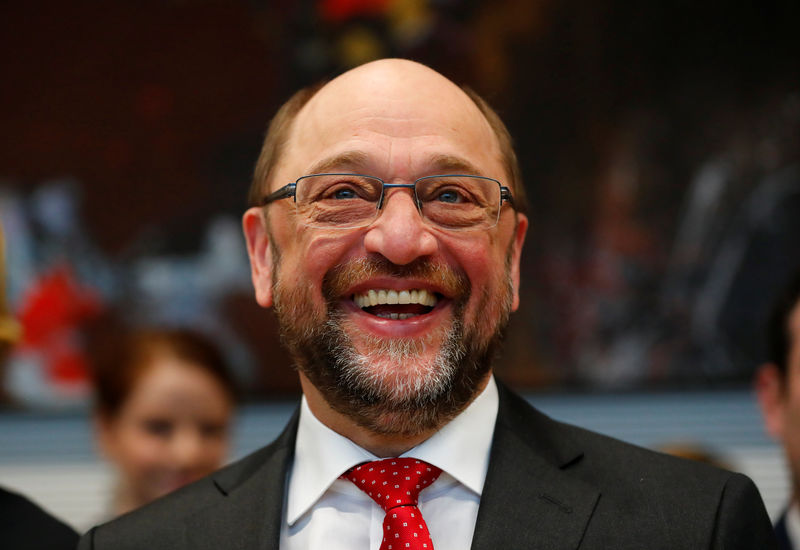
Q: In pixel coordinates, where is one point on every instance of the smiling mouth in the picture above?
(396, 305)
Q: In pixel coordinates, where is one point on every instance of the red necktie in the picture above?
(395, 483)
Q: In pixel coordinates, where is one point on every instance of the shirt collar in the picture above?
(460, 448)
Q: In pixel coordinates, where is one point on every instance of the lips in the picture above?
(396, 304)
(395, 300)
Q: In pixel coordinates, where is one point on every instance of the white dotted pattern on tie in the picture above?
(395, 484)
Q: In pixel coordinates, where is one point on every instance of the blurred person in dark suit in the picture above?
(778, 389)
(164, 401)
(386, 226)
(23, 524)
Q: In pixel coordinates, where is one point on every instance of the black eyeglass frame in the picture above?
(290, 189)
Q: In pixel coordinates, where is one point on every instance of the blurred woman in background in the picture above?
(163, 406)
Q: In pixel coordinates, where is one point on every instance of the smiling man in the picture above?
(386, 228)
(407, 276)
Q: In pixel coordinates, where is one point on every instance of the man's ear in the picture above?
(258, 248)
(516, 253)
(770, 391)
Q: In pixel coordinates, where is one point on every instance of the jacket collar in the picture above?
(530, 500)
(250, 514)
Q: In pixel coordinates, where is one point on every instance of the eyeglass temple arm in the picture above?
(283, 193)
(505, 195)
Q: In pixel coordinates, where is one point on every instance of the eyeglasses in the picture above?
(348, 201)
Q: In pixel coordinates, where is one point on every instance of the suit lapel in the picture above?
(249, 512)
(529, 500)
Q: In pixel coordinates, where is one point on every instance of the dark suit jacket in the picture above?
(25, 526)
(782, 534)
(549, 486)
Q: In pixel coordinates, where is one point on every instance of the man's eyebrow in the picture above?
(347, 161)
(451, 164)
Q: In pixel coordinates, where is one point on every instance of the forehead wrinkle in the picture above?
(356, 161)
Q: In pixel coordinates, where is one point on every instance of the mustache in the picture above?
(451, 281)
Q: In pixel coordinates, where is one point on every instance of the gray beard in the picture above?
(389, 390)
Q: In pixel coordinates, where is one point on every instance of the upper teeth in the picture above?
(379, 297)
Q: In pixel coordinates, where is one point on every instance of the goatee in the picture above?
(396, 386)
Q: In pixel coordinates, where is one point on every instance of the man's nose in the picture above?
(400, 234)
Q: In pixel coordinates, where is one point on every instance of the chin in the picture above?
(399, 370)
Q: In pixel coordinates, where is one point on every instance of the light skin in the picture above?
(171, 430)
(399, 121)
(779, 398)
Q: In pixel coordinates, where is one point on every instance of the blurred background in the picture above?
(659, 143)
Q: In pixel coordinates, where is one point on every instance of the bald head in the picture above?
(395, 79)
(387, 101)
(396, 88)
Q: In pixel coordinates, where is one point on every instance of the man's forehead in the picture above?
(355, 161)
(394, 98)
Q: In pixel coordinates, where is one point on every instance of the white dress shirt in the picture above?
(325, 512)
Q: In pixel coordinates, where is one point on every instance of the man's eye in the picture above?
(344, 193)
(450, 196)
(352, 191)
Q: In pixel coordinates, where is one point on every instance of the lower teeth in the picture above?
(396, 316)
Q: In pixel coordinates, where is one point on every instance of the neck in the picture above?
(380, 444)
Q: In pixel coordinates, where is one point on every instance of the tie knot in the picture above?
(393, 482)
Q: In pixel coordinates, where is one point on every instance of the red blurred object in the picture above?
(52, 315)
(336, 11)
(69, 366)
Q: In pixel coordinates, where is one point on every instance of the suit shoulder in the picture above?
(693, 504)
(608, 463)
(606, 452)
(162, 523)
(639, 498)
